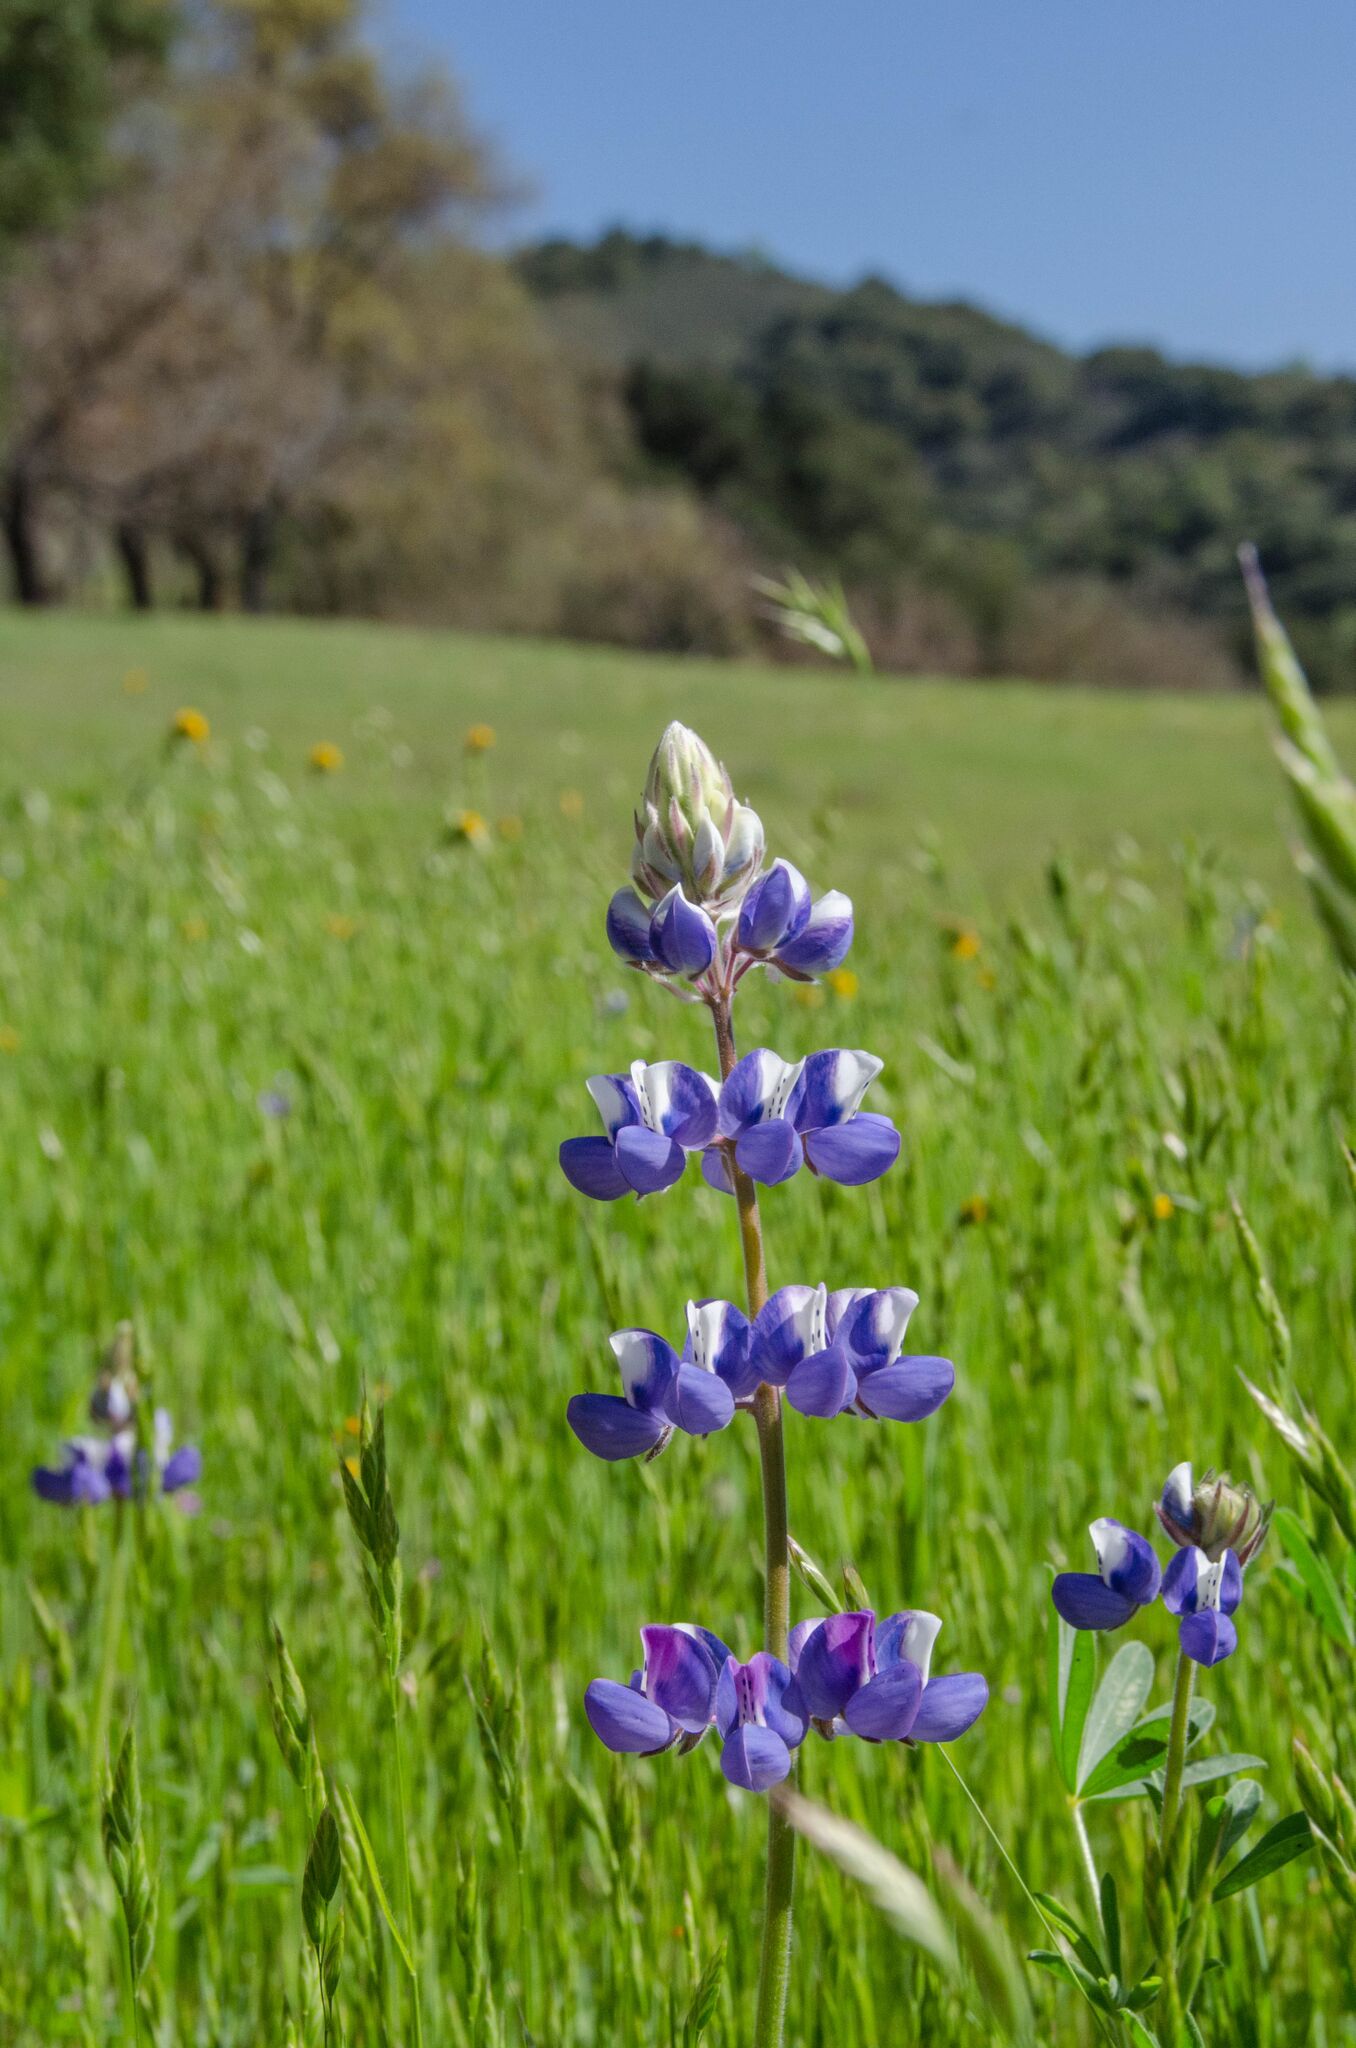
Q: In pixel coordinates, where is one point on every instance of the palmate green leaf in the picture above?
(1280, 1845)
(1116, 1706)
(1072, 1669)
(1135, 1756)
(1313, 1573)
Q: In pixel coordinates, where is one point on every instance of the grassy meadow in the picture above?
(185, 928)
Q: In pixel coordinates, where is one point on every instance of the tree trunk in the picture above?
(211, 585)
(19, 518)
(256, 558)
(136, 562)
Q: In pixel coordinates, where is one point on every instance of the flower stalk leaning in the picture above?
(702, 914)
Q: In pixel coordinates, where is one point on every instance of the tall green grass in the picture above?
(183, 929)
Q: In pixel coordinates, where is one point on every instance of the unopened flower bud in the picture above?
(691, 832)
(1214, 1514)
(1315, 1792)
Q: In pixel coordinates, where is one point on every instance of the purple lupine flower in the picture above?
(1127, 1578)
(1205, 1595)
(872, 1679)
(100, 1468)
(663, 1392)
(778, 1116)
(671, 1699)
(842, 1352)
(1215, 1514)
(682, 936)
(628, 928)
(653, 1120)
(779, 923)
(761, 1715)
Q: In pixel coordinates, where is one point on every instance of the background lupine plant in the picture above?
(1109, 1749)
(130, 1449)
(700, 916)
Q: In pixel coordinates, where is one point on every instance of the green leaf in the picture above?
(1111, 1921)
(705, 1999)
(1070, 1972)
(1279, 1845)
(1116, 1705)
(1201, 1773)
(1133, 1758)
(1315, 1575)
(1139, 2033)
(374, 1879)
(1073, 1667)
(1073, 1931)
(1241, 1802)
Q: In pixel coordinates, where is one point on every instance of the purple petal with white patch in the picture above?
(831, 1087)
(1192, 1584)
(790, 1326)
(682, 936)
(824, 940)
(719, 1338)
(677, 1100)
(853, 1153)
(1126, 1560)
(647, 1366)
(757, 1090)
(615, 1100)
(775, 910)
(872, 1323)
(628, 928)
(622, 1718)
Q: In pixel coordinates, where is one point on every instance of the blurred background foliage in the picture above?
(257, 349)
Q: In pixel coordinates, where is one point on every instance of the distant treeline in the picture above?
(254, 352)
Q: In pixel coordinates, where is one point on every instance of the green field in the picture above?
(183, 928)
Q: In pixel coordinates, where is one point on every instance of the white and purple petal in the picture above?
(615, 1100)
(775, 910)
(757, 1089)
(682, 936)
(719, 1336)
(909, 1635)
(677, 1100)
(1126, 1560)
(831, 1088)
(789, 1327)
(823, 941)
(874, 1325)
(647, 1365)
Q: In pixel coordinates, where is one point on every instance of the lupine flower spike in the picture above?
(119, 1459)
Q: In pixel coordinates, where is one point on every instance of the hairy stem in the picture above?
(1177, 1748)
(1085, 1850)
(115, 1601)
(775, 1966)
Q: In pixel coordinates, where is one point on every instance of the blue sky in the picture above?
(1174, 171)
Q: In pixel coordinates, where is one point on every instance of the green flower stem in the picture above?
(115, 1603)
(407, 1884)
(1177, 1749)
(775, 1967)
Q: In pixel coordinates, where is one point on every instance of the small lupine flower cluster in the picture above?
(119, 1459)
(700, 915)
(847, 1674)
(833, 1354)
(1217, 1528)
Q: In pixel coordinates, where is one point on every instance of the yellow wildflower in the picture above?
(9, 1038)
(510, 828)
(987, 980)
(843, 982)
(965, 943)
(1163, 1207)
(340, 926)
(135, 681)
(479, 739)
(194, 928)
(191, 725)
(571, 803)
(976, 1210)
(326, 758)
(471, 828)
